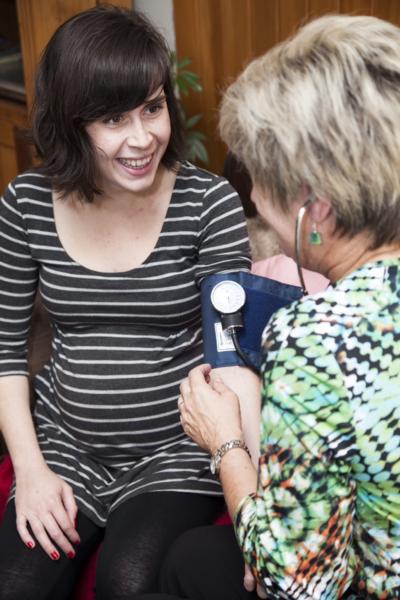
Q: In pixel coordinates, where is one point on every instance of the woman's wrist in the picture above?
(24, 464)
(238, 477)
(223, 437)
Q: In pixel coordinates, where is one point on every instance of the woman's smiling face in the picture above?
(130, 146)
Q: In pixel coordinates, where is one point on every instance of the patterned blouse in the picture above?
(325, 521)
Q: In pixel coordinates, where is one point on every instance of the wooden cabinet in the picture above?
(13, 123)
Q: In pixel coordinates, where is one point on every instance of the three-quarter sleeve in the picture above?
(18, 284)
(296, 530)
(223, 241)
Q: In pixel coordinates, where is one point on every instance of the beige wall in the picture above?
(161, 13)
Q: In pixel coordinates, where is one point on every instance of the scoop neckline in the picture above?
(115, 274)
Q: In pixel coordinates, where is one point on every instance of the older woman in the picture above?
(317, 123)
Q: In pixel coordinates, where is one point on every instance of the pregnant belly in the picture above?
(120, 416)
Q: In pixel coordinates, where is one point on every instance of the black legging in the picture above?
(205, 564)
(135, 541)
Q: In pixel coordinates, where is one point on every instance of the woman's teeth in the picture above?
(137, 163)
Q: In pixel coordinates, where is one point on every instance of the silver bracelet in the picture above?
(215, 462)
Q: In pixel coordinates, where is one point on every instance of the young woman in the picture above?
(118, 232)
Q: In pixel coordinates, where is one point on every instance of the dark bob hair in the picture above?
(101, 62)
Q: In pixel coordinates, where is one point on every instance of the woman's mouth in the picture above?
(135, 163)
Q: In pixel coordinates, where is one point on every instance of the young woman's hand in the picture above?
(46, 507)
(210, 411)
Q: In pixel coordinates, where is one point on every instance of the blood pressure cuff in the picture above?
(264, 296)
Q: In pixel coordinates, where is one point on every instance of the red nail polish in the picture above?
(71, 554)
(55, 555)
(30, 545)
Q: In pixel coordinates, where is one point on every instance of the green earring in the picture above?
(315, 236)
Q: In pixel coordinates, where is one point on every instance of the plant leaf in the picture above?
(184, 62)
(198, 135)
(183, 88)
(192, 121)
(198, 151)
(185, 81)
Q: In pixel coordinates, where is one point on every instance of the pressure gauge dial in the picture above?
(228, 297)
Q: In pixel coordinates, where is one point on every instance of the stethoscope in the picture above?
(228, 298)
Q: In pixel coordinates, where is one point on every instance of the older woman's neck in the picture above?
(347, 255)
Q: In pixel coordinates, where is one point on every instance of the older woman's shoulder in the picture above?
(357, 298)
(320, 315)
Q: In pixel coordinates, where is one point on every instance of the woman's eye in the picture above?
(114, 120)
(153, 109)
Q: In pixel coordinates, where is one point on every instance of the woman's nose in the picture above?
(139, 134)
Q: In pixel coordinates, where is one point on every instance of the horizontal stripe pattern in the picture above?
(106, 410)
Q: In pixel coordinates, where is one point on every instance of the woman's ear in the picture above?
(319, 209)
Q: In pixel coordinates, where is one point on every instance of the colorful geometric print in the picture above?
(325, 522)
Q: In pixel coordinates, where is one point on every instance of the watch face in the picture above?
(228, 297)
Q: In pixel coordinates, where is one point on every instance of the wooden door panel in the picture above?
(290, 14)
(356, 7)
(221, 36)
(387, 9)
(316, 8)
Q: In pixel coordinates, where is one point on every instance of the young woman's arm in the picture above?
(44, 502)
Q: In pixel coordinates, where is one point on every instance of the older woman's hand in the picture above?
(210, 411)
(250, 583)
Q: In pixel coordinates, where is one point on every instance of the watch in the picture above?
(215, 462)
(228, 297)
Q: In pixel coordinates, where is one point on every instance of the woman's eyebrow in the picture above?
(160, 98)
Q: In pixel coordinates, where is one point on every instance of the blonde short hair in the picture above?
(323, 109)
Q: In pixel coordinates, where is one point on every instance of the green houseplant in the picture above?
(187, 81)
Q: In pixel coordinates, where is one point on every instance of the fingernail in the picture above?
(55, 555)
(71, 554)
(30, 545)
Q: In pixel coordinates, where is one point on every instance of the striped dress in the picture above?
(106, 403)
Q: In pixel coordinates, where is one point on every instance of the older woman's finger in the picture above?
(219, 386)
(200, 375)
(184, 387)
(185, 425)
(261, 593)
(249, 581)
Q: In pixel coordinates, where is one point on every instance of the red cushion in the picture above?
(85, 587)
(6, 476)
(224, 519)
